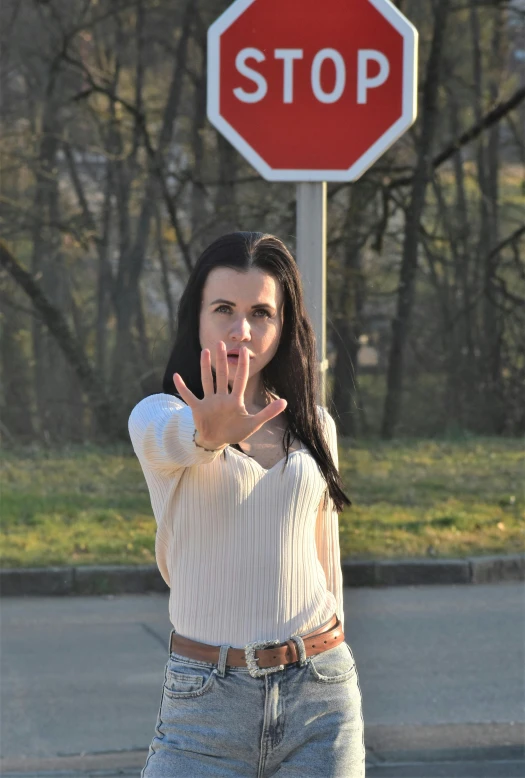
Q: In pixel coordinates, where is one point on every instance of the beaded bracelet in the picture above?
(205, 449)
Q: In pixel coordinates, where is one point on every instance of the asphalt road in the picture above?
(441, 669)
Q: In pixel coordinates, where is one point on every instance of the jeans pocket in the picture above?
(187, 679)
(336, 665)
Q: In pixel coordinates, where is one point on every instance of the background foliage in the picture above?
(113, 181)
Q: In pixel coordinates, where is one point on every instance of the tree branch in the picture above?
(487, 121)
(109, 418)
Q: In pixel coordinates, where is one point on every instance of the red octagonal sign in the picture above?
(312, 90)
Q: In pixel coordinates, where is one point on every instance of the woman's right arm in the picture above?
(161, 429)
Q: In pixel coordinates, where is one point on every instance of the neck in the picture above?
(256, 397)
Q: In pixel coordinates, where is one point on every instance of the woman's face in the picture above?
(251, 317)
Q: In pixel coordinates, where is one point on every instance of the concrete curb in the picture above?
(136, 579)
(409, 572)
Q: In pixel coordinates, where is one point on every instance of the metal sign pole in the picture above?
(311, 259)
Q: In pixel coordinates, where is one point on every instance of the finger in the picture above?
(206, 374)
(183, 390)
(221, 368)
(273, 409)
(241, 374)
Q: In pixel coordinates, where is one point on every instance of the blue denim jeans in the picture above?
(304, 721)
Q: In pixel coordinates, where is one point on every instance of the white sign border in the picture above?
(409, 104)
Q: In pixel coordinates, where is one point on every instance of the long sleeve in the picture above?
(327, 530)
(161, 430)
(231, 537)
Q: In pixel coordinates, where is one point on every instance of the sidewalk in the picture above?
(463, 756)
(136, 579)
(81, 681)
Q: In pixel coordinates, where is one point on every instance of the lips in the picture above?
(235, 354)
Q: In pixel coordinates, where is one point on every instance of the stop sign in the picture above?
(312, 90)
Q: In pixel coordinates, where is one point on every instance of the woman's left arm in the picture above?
(327, 530)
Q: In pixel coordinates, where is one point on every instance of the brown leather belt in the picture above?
(255, 656)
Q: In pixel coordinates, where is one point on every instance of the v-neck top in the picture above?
(266, 469)
(248, 553)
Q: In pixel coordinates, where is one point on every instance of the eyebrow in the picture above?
(229, 302)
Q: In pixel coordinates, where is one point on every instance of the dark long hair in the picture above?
(292, 372)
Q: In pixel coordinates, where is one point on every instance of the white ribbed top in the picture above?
(249, 554)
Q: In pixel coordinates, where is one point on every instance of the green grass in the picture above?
(433, 498)
(86, 505)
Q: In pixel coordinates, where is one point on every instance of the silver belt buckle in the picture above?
(251, 659)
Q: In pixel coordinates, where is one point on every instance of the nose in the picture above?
(240, 330)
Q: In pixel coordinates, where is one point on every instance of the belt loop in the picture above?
(169, 641)
(223, 655)
(299, 642)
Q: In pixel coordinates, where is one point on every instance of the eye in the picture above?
(259, 310)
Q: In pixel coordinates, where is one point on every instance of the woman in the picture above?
(241, 466)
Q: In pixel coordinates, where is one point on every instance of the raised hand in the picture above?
(221, 417)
